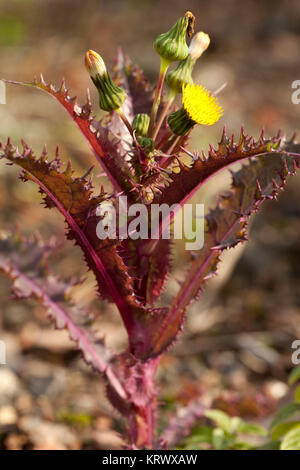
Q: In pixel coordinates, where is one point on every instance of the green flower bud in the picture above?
(180, 76)
(183, 72)
(111, 96)
(141, 124)
(172, 46)
(180, 122)
(146, 143)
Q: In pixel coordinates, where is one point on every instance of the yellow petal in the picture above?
(200, 105)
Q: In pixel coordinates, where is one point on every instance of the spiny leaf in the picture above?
(24, 261)
(150, 270)
(73, 198)
(108, 150)
(158, 267)
(131, 77)
(226, 226)
(139, 99)
(181, 186)
(117, 150)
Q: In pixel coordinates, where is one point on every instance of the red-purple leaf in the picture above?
(108, 150)
(140, 91)
(182, 186)
(73, 198)
(261, 179)
(152, 270)
(24, 261)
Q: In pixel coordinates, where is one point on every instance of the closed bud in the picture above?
(198, 45)
(179, 122)
(180, 76)
(146, 143)
(172, 46)
(183, 72)
(95, 64)
(111, 96)
(141, 124)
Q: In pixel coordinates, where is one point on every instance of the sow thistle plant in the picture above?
(140, 144)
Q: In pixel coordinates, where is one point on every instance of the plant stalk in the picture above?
(125, 120)
(141, 421)
(163, 115)
(164, 65)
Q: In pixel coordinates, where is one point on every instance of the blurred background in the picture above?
(236, 349)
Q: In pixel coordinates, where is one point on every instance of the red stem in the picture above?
(142, 421)
(162, 116)
(163, 70)
(125, 120)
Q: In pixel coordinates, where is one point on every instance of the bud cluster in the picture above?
(198, 105)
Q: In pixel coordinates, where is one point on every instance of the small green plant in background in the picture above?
(219, 431)
(285, 431)
(227, 433)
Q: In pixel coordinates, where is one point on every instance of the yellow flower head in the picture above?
(201, 106)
